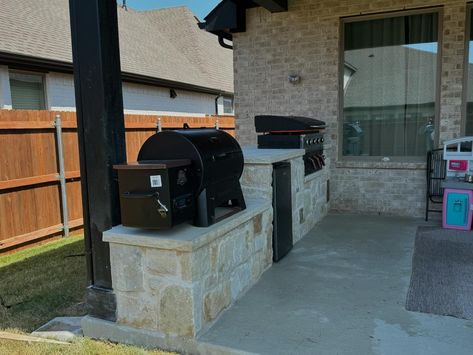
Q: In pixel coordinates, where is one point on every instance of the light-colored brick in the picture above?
(305, 41)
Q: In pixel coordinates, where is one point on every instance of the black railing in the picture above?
(436, 172)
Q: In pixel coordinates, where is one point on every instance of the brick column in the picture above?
(453, 54)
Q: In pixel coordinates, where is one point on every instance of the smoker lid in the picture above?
(272, 123)
(215, 155)
(154, 164)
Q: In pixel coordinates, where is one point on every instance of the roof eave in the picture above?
(20, 61)
(226, 18)
(229, 16)
(148, 80)
(273, 5)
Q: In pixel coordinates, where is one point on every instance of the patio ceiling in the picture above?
(273, 5)
(229, 16)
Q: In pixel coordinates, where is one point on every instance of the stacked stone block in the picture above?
(309, 193)
(182, 290)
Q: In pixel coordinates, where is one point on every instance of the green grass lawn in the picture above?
(41, 283)
(82, 346)
(44, 282)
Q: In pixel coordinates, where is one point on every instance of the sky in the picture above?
(199, 7)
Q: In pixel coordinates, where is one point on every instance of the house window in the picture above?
(389, 72)
(228, 105)
(469, 78)
(27, 91)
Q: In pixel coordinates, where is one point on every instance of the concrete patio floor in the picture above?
(341, 291)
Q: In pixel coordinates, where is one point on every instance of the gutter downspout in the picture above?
(216, 103)
(223, 44)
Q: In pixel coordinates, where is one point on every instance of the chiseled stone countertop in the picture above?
(253, 155)
(395, 165)
(455, 183)
(184, 237)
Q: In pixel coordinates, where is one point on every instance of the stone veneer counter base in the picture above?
(310, 194)
(176, 283)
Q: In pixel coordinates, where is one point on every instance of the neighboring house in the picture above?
(388, 77)
(169, 65)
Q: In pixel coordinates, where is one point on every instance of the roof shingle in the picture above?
(165, 44)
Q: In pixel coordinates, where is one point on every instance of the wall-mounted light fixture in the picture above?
(294, 79)
(172, 93)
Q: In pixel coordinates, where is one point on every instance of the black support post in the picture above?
(101, 131)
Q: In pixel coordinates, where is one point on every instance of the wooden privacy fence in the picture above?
(40, 192)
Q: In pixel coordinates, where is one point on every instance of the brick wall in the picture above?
(139, 99)
(305, 41)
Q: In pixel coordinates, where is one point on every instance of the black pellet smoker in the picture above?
(182, 175)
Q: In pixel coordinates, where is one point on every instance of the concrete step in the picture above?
(60, 328)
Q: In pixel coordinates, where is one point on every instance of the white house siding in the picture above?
(137, 99)
(5, 95)
(305, 41)
(147, 99)
(60, 92)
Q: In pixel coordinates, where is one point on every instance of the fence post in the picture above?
(159, 125)
(62, 175)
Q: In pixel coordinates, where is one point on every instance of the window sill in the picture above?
(381, 165)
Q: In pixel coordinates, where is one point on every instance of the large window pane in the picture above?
(228, 105)
(389, 80)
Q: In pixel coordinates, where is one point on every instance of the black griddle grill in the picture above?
(293, 132)
(287, 124)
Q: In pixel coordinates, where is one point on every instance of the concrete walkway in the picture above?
(341, 291)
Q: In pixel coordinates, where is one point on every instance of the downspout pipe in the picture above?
(223, 44)
(216, 103)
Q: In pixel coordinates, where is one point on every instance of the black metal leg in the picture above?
(435, 173)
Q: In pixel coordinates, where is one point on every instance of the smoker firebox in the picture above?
(155, 194)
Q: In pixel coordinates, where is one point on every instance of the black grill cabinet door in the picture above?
(282, 205)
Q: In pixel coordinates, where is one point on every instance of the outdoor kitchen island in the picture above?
(171, 286)
(310, 193)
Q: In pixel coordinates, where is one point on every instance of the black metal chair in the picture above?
(436, 172)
